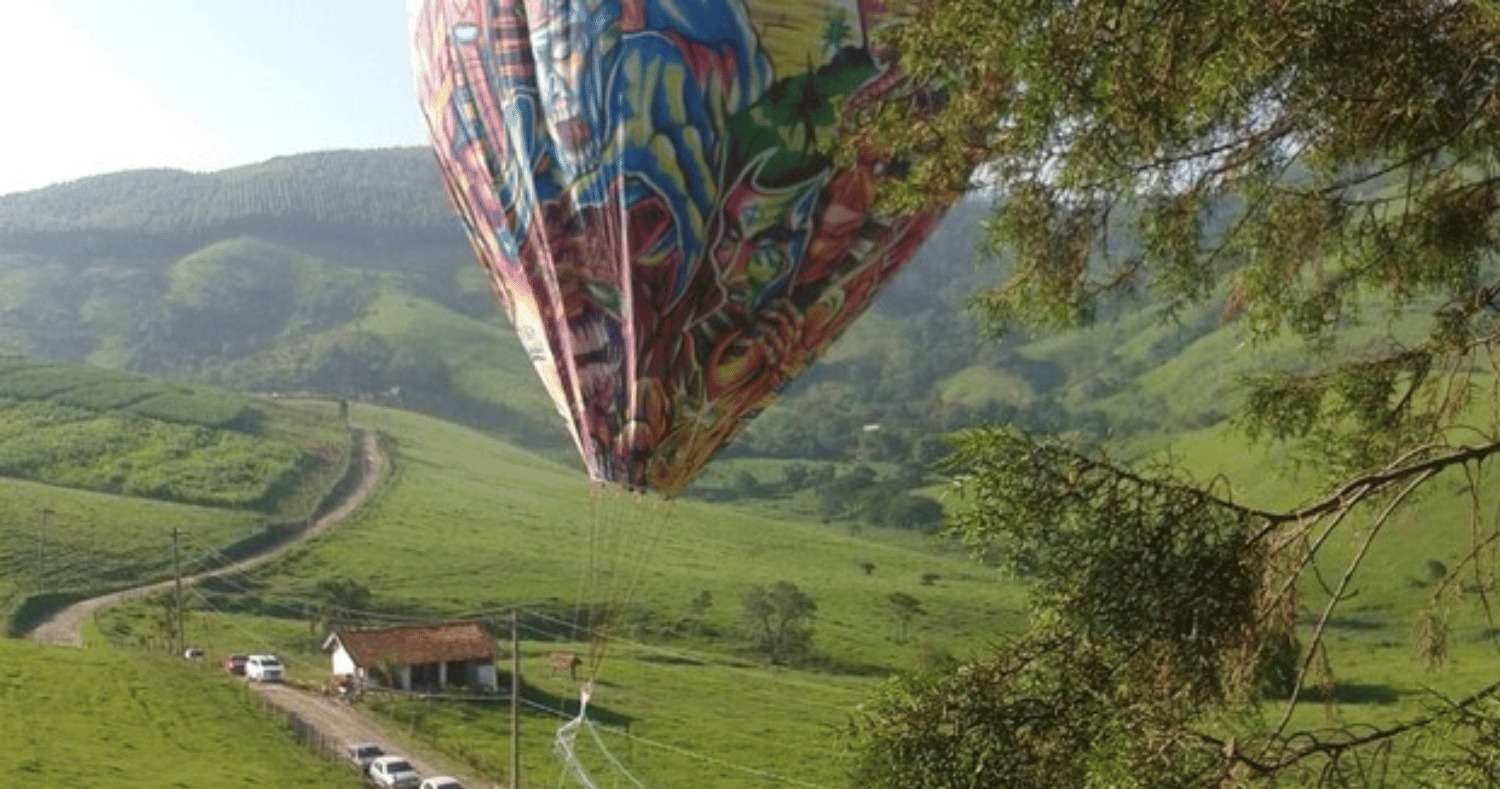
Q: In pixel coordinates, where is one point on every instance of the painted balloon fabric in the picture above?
(644, 183)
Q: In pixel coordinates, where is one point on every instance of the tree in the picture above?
(1325, 171)
(906, 608)
(794, 477)
(744, 484)
(698, 609)
(868, 566)
(779, 617)
(927, 450)
(918, 513)
(342, 599)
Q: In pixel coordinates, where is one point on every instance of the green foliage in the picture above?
(744, 484)
(107, 717)
(1087, 533)
(57, 425)
(1321, 177)
(1037, 713)
(344, 593)
(95, 541)
(1236, 147)
(779, 619)
(906, 608)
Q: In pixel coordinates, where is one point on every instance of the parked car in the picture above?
(361, 754)
(394, 772)
(264, 668)
(192, 653)
(441, 782)
(235, 664)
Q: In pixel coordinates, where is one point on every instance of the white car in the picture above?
(264, 668)
(441, 782)
(394, 772)
(361, 754)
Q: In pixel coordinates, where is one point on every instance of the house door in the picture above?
(424, 675)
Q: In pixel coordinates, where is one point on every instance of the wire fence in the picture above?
(304, 732)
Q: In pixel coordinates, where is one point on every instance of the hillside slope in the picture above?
(345, 272)
(102, 717)
(97, 468)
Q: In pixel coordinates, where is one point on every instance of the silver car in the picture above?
(361, 754)
(394, 772)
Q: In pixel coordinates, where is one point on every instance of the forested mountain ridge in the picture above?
(347, 273)
(395, 188)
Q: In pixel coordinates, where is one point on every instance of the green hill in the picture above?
(103, 717)
(345, 274)
(97, 467)
(468, 523)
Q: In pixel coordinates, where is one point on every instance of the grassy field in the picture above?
(98, 430)
(95, 541)
(103, 717)
(97, 468)
(470, 523)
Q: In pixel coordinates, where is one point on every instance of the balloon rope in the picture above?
(566, 741)
(657, 517)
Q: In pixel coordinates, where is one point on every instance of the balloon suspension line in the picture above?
(624, 531)
(650, 523)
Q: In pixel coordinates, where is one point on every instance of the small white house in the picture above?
(434, 657)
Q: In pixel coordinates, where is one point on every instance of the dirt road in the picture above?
(65, 628)
(339, 721)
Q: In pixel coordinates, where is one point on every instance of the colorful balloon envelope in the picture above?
(647, 185)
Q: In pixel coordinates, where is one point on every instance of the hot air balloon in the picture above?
(646, 184)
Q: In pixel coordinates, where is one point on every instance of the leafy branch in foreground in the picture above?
(1326, 173)
(1317, 168)
(1161, 613)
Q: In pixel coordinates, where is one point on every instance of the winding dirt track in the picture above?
(65, 628)
(334, 719)
(350, 725)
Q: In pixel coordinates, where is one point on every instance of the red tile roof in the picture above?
(415, 645)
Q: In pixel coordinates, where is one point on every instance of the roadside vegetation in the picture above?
(119, 718)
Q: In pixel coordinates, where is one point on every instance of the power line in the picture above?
(686, 752)
(670, 668)
(229, 619)
(310, 606)
(702, 657)
(703, 757)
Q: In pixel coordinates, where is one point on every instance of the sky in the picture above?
(95, 86)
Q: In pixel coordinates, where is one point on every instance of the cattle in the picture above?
(564, 661)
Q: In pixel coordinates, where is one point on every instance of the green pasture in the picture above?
(94, 541)
(94, 429)
(111, 718)
(470, 524)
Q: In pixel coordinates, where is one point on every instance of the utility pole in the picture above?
(515, 700)
(41, 561)
(177, 578)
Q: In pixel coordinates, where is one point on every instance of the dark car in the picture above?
(235, 664)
